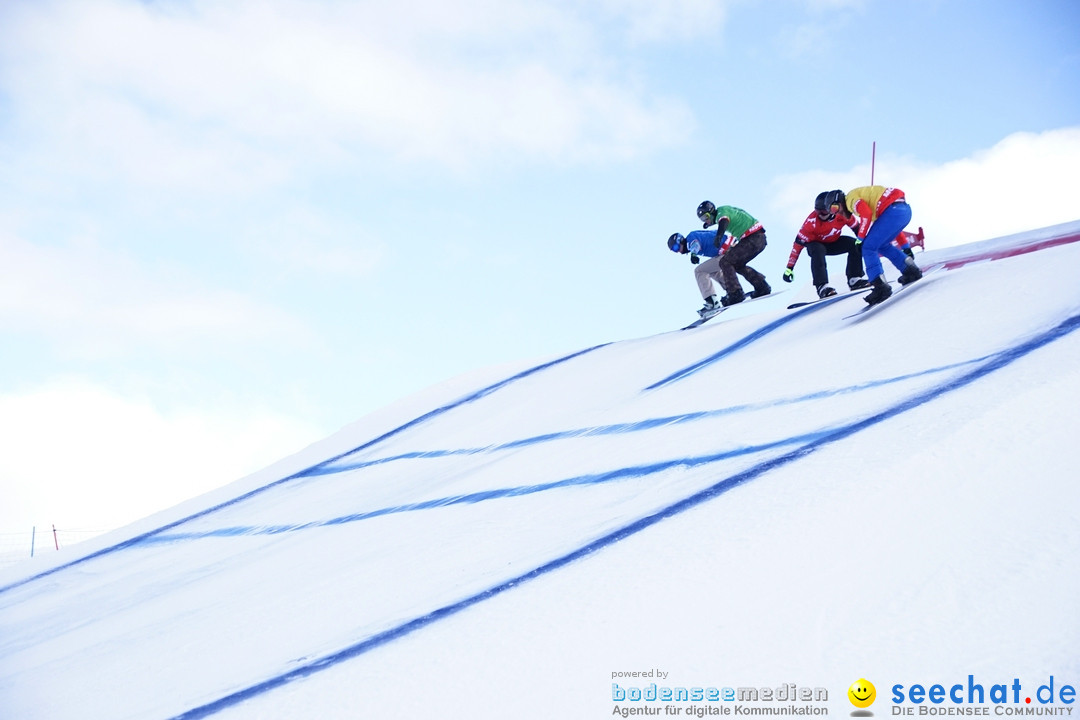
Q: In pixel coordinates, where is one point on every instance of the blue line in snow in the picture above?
(841, 433)
(596, 478)
(739, 344)
(479, 394)
(637, 426)
(592, 479)
(634, 471)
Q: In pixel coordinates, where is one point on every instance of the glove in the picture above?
(789, 275)
(858, 242)
(694, 259)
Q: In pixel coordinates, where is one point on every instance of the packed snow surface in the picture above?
(778, 497)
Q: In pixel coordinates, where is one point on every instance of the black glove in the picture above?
(694, 259)
(789, 275)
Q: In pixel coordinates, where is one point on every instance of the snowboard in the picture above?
(897, 293)
(702, 320)
(837, 296)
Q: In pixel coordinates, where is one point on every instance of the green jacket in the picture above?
(740, 223)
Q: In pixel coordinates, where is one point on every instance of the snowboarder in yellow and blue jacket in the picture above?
(880, 213)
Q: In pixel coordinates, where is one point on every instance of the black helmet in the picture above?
(819, 202)
(706, 212)
(676, 242)
(830, 202)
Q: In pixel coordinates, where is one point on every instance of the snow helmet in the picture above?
(706, 212)
(676, 242)
(830, 202)
(819, 202)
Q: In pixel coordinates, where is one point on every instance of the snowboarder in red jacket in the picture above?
(820, 235)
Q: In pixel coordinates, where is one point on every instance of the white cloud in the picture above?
(100, 303)
(831, 6)
(1026, 181)
(651, 21)
(301, 238)
(83, 457)
(228, 97)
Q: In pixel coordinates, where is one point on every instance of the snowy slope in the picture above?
(776, 497)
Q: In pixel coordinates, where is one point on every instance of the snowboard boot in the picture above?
(880, 292)
(710, 308)
(824, 291)
(911, 273)
(761, 290)
(732, 299)
(857, 283)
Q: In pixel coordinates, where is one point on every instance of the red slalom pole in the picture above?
(873, 160)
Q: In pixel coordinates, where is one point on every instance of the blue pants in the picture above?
(879, 240)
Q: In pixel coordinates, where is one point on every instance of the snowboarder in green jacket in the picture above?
(741, 238)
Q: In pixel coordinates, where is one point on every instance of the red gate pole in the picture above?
(873, 160)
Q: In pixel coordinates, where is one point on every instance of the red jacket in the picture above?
(814, 229)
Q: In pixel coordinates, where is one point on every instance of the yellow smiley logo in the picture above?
(862, 693)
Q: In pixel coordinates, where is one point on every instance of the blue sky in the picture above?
(229, 229)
